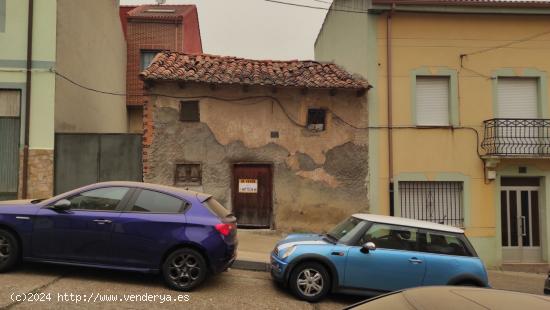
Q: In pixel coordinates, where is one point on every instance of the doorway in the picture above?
(520, 220)
(253, 194)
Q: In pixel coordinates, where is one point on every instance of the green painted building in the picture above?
(78, 39)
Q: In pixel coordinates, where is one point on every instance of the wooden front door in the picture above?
(252, 194)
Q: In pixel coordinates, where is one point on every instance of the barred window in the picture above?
(439, 202)
(188, 174)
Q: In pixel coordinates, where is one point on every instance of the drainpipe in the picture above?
(390, 108)
(28, 101)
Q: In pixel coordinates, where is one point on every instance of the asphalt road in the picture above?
(51, 287)
(235, 289)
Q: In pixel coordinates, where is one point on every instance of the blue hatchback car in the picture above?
(182, 234)
(373, 254)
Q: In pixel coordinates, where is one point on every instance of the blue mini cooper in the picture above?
(373, 254)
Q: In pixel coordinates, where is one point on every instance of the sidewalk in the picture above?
(255, 248)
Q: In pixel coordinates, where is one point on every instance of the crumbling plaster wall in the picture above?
(319, 177)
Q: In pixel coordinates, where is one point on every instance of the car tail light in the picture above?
(224, 228)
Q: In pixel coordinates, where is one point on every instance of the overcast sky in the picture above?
(256, 28)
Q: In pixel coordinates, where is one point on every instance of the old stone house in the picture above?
(280, 143)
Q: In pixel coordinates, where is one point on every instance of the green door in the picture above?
(9, 143)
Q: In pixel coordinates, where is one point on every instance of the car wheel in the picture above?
(9, 250)
(184, 269)
(310, 281)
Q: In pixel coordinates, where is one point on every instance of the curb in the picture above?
(251, 265)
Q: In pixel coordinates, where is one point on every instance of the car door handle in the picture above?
(101, 222)
(415, 261)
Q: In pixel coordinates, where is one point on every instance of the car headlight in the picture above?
(288, 252)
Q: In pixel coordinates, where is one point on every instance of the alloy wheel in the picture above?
(310, 282)
(4, 248)
(184, 269)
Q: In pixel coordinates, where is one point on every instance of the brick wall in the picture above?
(174, 34)
(148, 36)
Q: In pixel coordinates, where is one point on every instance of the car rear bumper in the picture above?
(222, 262)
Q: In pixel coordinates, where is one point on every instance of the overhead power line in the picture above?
(317, 7)
(529, 38)
(262, 98)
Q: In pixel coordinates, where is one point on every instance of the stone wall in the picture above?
(40, 174)
(319, 177)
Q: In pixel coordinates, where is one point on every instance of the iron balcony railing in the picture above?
(516, 137)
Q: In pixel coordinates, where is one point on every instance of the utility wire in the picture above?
(529, 38)
(262, 98)
(317, 7)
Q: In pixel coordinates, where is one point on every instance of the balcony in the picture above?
(519, 138)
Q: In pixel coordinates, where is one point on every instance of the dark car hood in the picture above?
(302, 239)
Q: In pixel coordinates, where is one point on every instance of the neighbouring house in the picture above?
(464, 85)
(47, 44)
(282, 144)
(150, 29)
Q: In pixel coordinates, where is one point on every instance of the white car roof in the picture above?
(407, 222)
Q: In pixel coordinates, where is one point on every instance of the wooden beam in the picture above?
(182, 85)
(332, 92)
(303, 91)
(361, 92)
(246, 88)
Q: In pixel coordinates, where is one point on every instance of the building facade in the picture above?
(463, 86)
(281, 144)
(150, 29)
(45, 45)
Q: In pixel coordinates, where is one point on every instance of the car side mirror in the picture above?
(367, 247)
(62, 205)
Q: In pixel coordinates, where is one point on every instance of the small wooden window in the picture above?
(188, 175)
(316, 119)
(189, 111)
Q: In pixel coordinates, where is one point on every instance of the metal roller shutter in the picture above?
(9, 143)
(517, 98)
(432, 101)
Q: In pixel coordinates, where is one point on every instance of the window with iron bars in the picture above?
(438, 202)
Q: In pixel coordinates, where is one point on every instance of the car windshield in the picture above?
(344, 231)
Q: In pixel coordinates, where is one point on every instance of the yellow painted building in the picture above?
(459, 130)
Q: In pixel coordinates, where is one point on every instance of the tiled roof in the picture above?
(479, 3)
(160, 12)
(170, 66)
